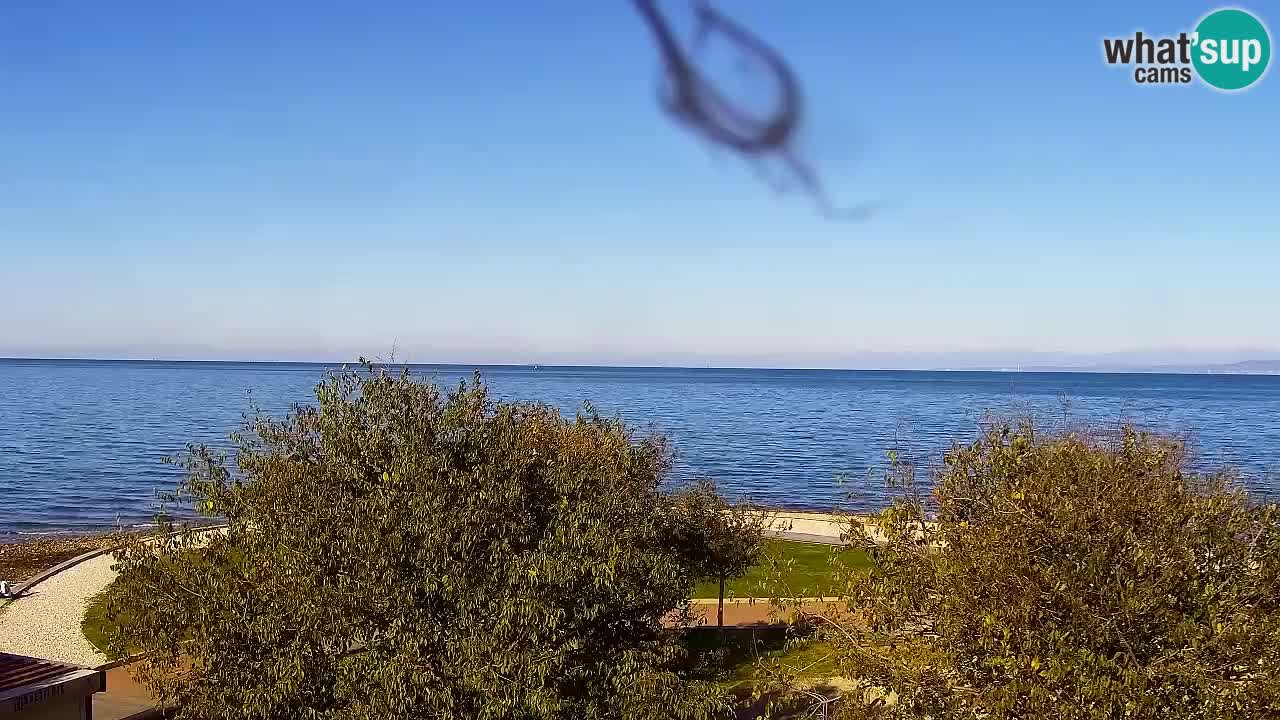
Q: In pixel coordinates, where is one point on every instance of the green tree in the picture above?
(725, 539)
(396, 551)
(1068, 576)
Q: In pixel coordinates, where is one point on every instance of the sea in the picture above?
(82, 441)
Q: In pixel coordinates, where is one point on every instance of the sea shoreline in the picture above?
(802, 441)
(13, 536)
(25, 557)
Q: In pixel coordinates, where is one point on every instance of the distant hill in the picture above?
(1245, 367)
(1249, 367)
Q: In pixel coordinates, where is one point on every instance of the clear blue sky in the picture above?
(493, 182)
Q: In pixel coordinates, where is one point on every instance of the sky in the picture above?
(496, 183)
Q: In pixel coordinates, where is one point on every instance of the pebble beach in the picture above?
(23, 557)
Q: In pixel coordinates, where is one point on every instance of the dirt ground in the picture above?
(762, 613)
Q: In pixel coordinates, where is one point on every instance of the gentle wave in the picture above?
(81, 442)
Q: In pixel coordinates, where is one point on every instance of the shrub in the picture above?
(728, 538)
(1068, 576)
(396, 551)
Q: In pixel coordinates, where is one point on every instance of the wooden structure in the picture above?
(35, 689)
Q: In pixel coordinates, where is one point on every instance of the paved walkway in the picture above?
(816, 527)
(739, 613)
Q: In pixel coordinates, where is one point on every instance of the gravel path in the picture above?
(46, 623)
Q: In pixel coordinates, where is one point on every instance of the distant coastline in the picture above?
(1246, 367)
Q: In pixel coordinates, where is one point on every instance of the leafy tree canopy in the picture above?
(1069, 576)
(724, 539)
(398, 551)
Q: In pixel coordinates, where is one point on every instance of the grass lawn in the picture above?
(807, 569)
(97, 628)
(734, 660)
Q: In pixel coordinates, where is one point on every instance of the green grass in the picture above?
(808, 659)
(734, 659)
(807, 569)
(97, 627)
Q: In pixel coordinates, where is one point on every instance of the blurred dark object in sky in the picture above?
(697, 103)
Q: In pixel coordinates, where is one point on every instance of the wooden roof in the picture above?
(18, 671)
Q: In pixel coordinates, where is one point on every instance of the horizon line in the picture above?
(1137, 369)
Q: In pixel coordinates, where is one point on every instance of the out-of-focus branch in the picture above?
(694, 101)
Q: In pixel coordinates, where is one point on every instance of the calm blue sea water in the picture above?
(81, 442)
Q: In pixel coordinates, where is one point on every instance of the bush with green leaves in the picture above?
(728, 538)
(1068, 576)
(397, 551)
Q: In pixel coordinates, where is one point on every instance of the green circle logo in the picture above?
(1232, 49)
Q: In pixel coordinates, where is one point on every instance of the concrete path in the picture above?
(740, 613)
(825, 528)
